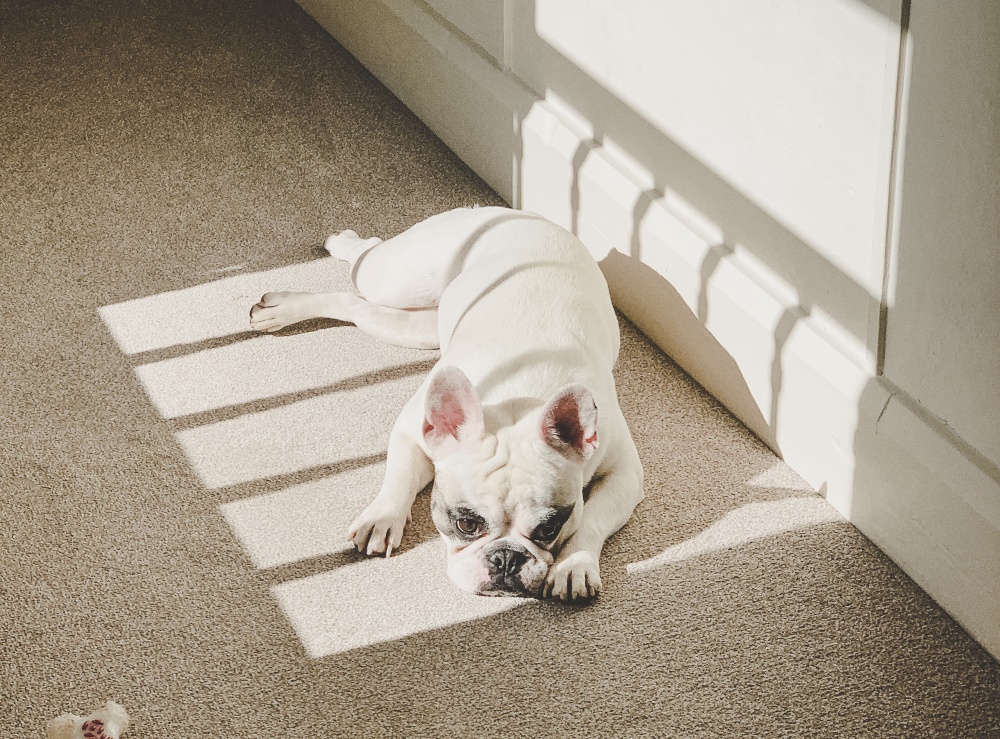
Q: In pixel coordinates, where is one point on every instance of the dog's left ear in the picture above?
(569, 422)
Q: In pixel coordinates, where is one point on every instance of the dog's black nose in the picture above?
(506, 563)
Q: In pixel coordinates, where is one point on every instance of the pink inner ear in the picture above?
(447, 420)
(570, 422)
(564, 422)
(452, 409)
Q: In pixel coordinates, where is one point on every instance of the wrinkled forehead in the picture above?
(508, 493)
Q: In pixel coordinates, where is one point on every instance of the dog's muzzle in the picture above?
(512, 571)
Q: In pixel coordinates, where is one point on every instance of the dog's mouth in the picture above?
(524, 583)
(512, 570)
(511, 588)
(500, 569)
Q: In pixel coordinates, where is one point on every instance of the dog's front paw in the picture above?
(379, 528)
(577, 577)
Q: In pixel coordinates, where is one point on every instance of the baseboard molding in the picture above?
(793, 378)
(932, 503)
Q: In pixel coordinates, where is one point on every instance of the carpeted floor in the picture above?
(174, 491)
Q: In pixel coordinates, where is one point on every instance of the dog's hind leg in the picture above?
(410, 328)
(414, 268)
(397, 273)
(400, 281)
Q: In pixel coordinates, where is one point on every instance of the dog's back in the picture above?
(528, 311)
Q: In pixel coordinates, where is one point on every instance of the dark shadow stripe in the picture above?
(782, 332)
(579, 156)
(276, 483)
(230, 412)
(217, 342)
(181, 350)
(642, 205)
(312, 566)
(708, 267)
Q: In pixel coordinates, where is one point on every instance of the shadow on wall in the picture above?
(737, 227)
(712, 365)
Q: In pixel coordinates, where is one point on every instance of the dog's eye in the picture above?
(468, 526)
(547, 531)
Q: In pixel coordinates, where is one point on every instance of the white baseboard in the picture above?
(932, 504)
(793, 378)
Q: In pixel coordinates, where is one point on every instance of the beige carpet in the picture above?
(174, 491)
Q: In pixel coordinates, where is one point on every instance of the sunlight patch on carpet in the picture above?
(262, 411)
(781, 477)
(302, 521)
(268, 367)
(207, 311)
(297, 436)
(381, 600)
(752, 522)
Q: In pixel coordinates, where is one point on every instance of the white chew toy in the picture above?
(108, 722)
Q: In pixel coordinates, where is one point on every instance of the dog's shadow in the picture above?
(310, 325)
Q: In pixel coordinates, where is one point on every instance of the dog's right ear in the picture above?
(452, 411)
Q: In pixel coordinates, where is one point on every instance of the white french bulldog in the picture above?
(518, 425)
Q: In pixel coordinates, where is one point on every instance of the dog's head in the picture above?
(506, 499)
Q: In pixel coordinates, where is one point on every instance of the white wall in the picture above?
(932, 494)
(943, 338)
(784, 103)
(731, 164)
